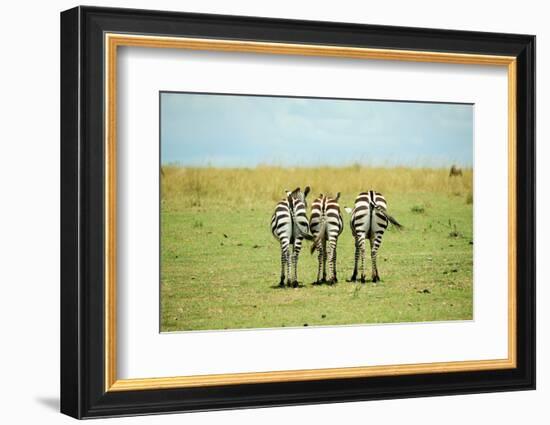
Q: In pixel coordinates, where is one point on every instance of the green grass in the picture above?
(220, 264)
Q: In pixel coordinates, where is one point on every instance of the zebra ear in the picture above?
(295, 191)
(337, 196)
(306, 191)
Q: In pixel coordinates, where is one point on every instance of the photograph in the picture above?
(343, 206)
(286, 212)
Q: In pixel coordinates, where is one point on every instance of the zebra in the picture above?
(289, 225)
(326, 225)
(455, 171)
(369, 220)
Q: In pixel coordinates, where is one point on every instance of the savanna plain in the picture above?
(220, 264)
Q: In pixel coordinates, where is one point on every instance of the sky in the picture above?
(203, 130)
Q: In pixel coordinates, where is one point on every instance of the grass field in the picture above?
(220, 264)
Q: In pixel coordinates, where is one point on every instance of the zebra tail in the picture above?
(305, 233)
(394, 221)
(321, 236)
(389, 217)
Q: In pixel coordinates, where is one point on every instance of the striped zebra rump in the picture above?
(326, 225)
(369, 221)
(289, 225)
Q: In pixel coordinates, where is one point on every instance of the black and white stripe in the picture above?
(326, 225)
(290, 226)
(369, 220)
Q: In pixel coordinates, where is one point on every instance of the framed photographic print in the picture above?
(261, 212)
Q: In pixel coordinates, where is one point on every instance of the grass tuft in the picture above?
(418, 209)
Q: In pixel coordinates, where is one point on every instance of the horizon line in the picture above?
(352, 165)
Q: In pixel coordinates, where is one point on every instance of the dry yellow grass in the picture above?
(192, 186)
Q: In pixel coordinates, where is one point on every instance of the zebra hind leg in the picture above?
(294, 279)
(334, 264)
(295, 254)
(331, 262)
(320, 265)
(362, 255)
(353, 277)
(324, 248)
(288, 266)
(283, 266)
(374, 245)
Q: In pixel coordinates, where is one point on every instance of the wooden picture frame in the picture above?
(90, 38)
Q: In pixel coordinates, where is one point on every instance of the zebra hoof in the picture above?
(375, 279)
(363, 280)
(295, 284)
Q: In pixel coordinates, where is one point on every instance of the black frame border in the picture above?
(82, 206)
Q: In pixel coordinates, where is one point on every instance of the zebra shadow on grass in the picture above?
(324, 283)
(277, 286)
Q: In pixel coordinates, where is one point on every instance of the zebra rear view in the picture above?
(369, 220)
(326, 225)
(289, 224)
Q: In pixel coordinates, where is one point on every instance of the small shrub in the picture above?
(418, 209)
